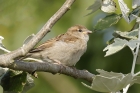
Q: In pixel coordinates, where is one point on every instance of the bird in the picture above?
(65, 49)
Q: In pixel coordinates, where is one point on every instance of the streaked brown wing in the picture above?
(49, 43)
(41, 47)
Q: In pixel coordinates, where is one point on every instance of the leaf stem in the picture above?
(126, 88)
(137, 74)
(5, 50)
(135, 54)
(134, 59)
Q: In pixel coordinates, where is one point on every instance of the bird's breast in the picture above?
(67, 53)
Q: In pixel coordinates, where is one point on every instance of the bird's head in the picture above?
(79, 31)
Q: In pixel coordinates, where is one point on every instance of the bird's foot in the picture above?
(59, 63)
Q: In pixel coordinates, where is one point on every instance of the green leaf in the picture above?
(127, 35)
(138, 59)
(1, 45)
(132, 44)
(110, 74)
(108, 6)
(136, 80)
(118, 45)
(94, 7)
(29, 84)
(1, 38)
(28, 39)
(1, 89)
(2, 72)
(135, 3)
(2, 48)
(124, 9)
(109, 81)
(134, 14)
(106, 22)
(14, 81)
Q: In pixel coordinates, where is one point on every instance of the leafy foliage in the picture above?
(110, 81)
(108, 6)
(135, 3)
(128, 39)
(28, 39)
(94, 7)
(106, 22)
(119, 44)
(127, 35)
(2, 48)
(16, 81)
(124, 9)
(133, 15)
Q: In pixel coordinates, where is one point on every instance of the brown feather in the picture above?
(49, 43)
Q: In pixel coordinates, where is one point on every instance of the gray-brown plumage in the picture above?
(65, 48)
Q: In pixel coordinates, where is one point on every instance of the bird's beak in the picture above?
(89, 32)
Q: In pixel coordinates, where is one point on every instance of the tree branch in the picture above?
(52, 68)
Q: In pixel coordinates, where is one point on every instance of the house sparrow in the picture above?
(66, 48)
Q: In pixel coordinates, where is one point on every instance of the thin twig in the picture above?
(136, 54)
(137, 74)
(126, 88)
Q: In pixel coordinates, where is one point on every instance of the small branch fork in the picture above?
(7, 60)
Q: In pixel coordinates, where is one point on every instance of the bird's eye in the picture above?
(79, 30)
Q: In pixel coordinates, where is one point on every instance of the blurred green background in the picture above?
(21, 18)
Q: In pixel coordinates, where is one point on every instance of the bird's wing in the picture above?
(49, 43)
